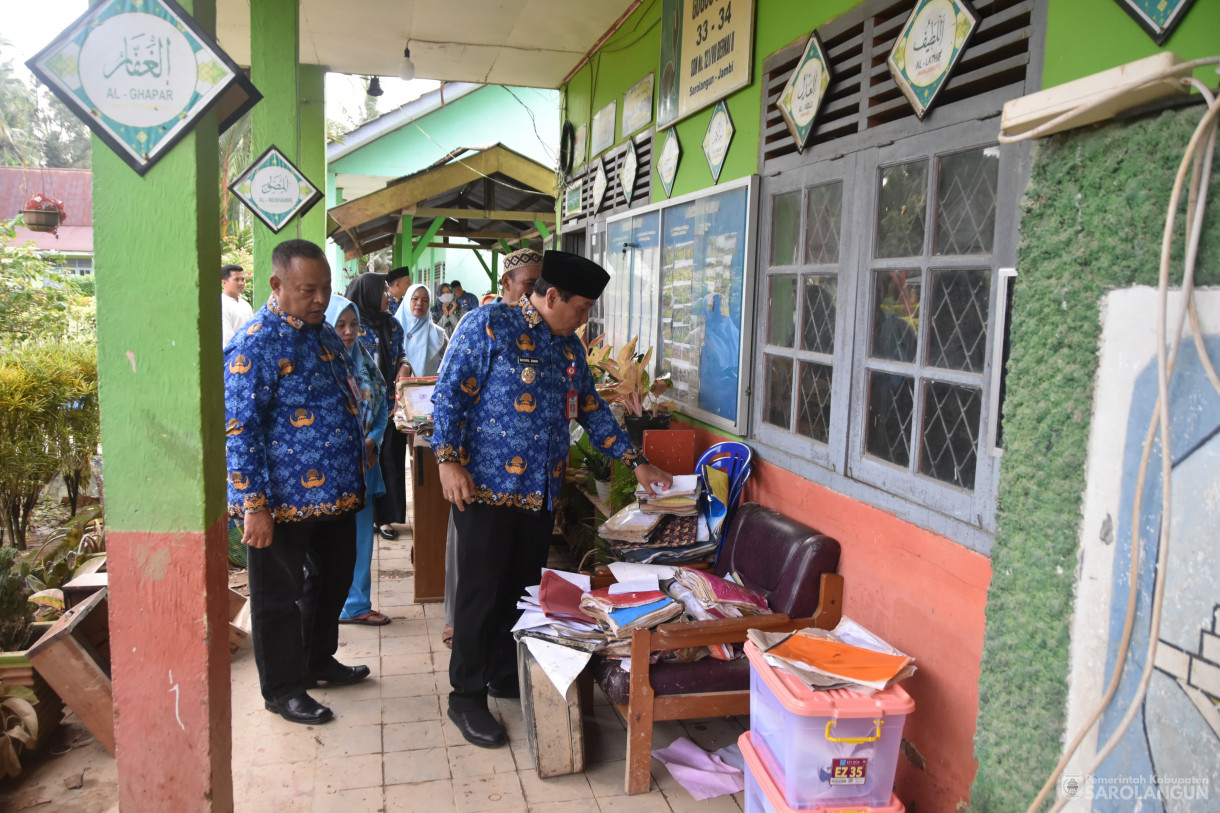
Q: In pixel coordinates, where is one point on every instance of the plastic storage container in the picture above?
(835, 747)
(764, 796)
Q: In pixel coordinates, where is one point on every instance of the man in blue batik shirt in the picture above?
(295, 452)
(514, 375)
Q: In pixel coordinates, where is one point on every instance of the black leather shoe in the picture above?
(387, 533)
(479, 727)
(339, 675)
(301, 708)
(510, 692)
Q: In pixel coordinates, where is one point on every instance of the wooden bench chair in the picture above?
(790, 564)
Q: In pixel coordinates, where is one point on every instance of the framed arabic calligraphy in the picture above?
(1157, 17)
(717, 139)
(928, 48)
(140, 73)
(275, 190)
(801, 98)
(667, 162)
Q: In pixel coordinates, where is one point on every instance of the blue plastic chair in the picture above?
(733, 458)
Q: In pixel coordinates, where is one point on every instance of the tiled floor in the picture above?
(391, 747)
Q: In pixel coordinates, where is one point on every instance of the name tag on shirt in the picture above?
(529, 360)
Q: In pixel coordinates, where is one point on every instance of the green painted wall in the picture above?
(523, 119)
(1092, 221)
(482, 117)
(634, 51)
(1114, 39)
(158, 325)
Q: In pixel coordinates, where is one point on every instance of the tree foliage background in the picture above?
(36, 129)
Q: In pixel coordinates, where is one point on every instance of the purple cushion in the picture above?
(707, 675)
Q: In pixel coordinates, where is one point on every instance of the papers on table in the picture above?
(681, 498)
(622, 613)
(848, 657)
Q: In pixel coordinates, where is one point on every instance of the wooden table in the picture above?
(430, 521)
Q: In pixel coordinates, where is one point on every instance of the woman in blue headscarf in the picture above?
(425, 341)
(374, 414)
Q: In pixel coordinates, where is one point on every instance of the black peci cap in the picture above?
(397, 273)
(574, 274)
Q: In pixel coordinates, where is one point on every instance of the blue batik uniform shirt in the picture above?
(293, 437)
(500, 401)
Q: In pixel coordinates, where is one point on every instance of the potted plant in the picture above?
(599, 467)
(43, 213)
(633, 388)
(18, 631)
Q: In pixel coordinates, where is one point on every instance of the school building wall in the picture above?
(990, 634)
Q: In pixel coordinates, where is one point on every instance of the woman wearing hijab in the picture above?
(382, 336)
(445, 311)
(425, 342)
(374, 415)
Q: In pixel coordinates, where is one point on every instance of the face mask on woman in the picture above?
(446, 298)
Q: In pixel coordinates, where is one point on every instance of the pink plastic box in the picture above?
(764, 796)
(829, 748)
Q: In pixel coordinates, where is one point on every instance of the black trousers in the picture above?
(297, 588)
(392, 505)
(501, 551)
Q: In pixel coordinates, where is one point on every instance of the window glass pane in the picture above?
(785, 227)
(823, 216)
(818, 333)
(950, 433)
(957, 321)
(891, 399)
(779, 392)
(781, 311)
(896, 315)
(965, 211)
(902, 203)
(813, 418)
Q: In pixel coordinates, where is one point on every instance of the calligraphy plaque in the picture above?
(631, 167)
(930, 44)
(1157, 17)
(667, 163)
(717, 139)
(275, 190)
(600, 182)
(139, 73)
(603, 129)
(802, 97)
(637, 106)
(706, 52)
(572, 198)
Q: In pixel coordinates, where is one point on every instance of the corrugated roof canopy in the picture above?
(485, 196)
(526, 43)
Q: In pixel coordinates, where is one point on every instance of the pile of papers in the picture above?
(714, 597)
(620, 612)
(675, 540)
(680, 499)
(631, 525)
(847, 657)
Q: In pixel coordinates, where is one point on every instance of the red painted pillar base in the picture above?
(171, 680)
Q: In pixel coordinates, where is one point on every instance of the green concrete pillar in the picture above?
(275, 33)
(313, 147)
(401, 249)
(162, 405)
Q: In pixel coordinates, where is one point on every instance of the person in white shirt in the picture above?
(234, 311)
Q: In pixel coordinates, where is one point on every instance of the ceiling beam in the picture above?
(513, 216)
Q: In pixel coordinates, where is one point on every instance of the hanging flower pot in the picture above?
(42, 213)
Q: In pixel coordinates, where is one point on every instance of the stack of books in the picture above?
(620, 614)
(681, 499)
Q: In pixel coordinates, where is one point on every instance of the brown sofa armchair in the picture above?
(790, 564)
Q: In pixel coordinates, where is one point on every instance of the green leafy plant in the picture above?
(631, 385)
(48, 425)
(18, 726)
(597, 463)
(16, 613)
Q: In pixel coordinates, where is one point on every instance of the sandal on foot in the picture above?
(447, 636)
(371, 617)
